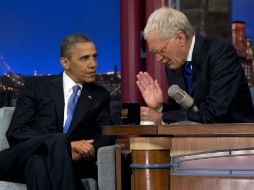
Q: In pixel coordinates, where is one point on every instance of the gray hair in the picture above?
(69, 41)
(167, 22)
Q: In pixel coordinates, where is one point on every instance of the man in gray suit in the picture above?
(54, 132)
(208, 69)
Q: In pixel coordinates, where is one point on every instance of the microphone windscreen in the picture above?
(174, 92)
(180, 96)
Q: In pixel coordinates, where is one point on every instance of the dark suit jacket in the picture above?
(219, 89)
(39, 113)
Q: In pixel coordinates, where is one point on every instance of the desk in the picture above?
(156, 144)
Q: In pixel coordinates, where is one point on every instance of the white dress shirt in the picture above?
(68, 83)
(189, 57)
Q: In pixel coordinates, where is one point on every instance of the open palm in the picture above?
(150, 90)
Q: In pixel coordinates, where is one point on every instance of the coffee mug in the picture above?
(130, 113)
(147, 122)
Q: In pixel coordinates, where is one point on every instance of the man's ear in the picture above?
(65, 63)
(180, 37)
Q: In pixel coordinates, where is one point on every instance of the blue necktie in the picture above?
(71, 107)
(187, 72)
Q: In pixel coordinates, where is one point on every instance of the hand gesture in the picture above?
(150, 90)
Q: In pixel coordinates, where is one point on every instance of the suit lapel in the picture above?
(56, 91)
(85, 101)
(175, 77)
(180, 82)
(198, 52)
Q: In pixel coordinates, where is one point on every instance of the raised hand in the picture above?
(150, 90)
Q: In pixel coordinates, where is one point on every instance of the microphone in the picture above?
(182, 97)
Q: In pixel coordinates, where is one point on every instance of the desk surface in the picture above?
(140, 178)
(181, 130)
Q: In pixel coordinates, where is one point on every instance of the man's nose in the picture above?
(158, 57)
(92, 63)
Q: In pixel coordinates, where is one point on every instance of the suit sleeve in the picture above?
(23, 118)
(224, 78)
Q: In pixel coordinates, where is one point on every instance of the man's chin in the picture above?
(89, 80)
(170, 65)
(173, 66)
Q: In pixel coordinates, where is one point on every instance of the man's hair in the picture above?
(167, 22)
(69, 41)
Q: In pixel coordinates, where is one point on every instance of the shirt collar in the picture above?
(189, 57)
(68, 83)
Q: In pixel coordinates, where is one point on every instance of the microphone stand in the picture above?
(185, 114)
(186, 121)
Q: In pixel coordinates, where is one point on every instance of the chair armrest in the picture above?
(106, 167)
(4, 185)
(5, 119)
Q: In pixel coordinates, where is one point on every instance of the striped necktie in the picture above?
(71, 107)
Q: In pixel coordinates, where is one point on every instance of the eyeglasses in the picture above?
(159, 51)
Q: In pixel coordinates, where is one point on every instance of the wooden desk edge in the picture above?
(234, 129)
(175, 130)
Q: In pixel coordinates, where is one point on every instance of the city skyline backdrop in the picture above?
(31, 31)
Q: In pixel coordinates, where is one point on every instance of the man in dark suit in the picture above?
(53, 141)
(208, 69)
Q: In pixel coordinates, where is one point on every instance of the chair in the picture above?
(106, 160)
